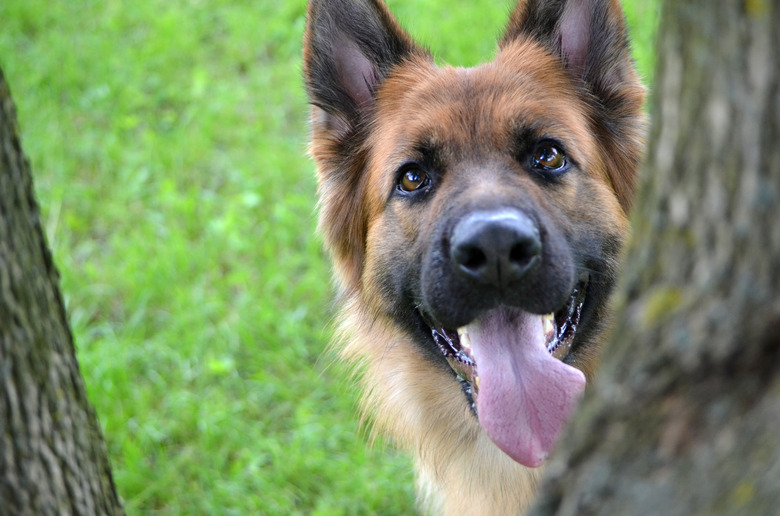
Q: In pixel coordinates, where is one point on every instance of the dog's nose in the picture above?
(495, 247)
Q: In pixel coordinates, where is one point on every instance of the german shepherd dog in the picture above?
(475, 217)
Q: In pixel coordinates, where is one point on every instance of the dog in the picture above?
(475, 218)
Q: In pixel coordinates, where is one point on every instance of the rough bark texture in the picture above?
(684, 416)
(52, 455)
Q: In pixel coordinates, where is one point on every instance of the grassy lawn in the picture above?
(167, 140)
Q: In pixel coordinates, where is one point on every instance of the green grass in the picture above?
(167, 140)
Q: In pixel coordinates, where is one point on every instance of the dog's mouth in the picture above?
(510, 365)
(559, 330)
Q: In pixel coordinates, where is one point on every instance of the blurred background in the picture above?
(167, 140)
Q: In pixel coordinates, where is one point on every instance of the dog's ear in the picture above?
(590, 38)
(349, 48)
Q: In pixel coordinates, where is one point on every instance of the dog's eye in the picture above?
(548, 157)
(413, 179)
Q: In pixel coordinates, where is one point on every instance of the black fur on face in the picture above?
(422, 277)
(454, 296)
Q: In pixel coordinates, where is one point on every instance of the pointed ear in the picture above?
(589, 36)
(349, 48)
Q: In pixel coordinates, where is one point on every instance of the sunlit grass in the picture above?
(167, 140)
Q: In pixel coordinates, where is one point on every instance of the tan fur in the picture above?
(423, 411)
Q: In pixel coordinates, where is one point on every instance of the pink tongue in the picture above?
(525, 395)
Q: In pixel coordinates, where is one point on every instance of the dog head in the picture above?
(483, 210)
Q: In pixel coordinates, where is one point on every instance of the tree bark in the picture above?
(52, 455)
(683, 418)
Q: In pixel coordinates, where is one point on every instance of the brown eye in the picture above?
(413, 179)
(549, 157)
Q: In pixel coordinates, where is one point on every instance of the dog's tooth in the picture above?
(465, 341)
(463, 330)
(547, 323)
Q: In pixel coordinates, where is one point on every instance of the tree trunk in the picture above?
(52, 455)
(684, 416)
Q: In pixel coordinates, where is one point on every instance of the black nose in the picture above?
(495, 247)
